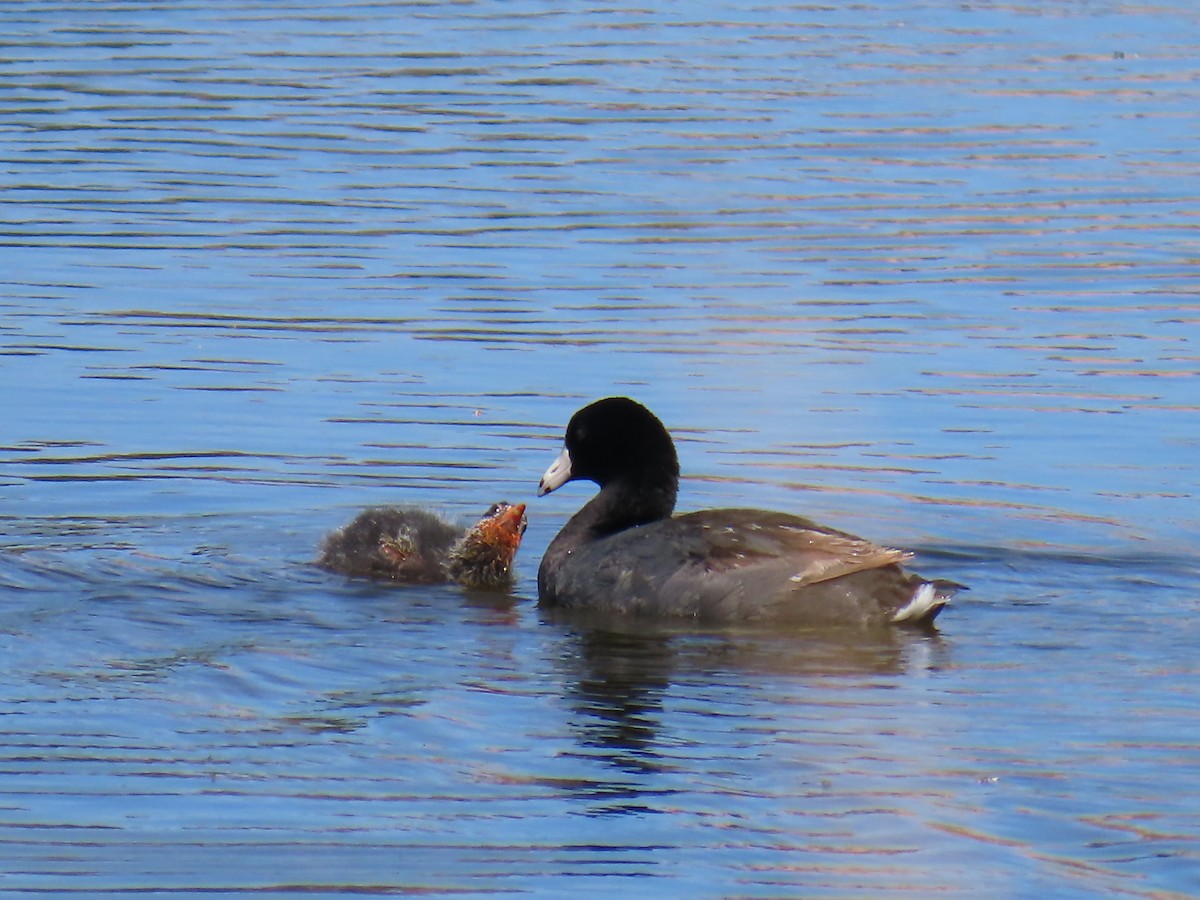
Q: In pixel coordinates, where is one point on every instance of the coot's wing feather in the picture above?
(737, 541)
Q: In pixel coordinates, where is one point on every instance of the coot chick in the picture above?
(625, 554)
(414, 546)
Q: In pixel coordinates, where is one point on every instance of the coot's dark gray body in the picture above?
(624, 553)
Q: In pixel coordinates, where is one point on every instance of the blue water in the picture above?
(923, 271)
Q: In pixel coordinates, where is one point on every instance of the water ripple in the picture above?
(923, 273)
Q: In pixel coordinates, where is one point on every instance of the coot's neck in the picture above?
(626, 502)
(621, 504)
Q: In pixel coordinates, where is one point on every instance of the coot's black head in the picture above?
(613, 440)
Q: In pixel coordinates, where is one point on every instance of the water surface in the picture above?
(924, 271)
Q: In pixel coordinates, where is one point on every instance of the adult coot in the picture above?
(417, 547)
(625, 554)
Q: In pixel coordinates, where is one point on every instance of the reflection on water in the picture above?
(923, 272)
(624, 677)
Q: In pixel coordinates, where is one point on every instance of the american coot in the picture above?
(417, 547)
(625, 554)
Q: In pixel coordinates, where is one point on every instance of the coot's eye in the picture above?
(492, 510)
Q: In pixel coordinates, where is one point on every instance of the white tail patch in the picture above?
(925, 601)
